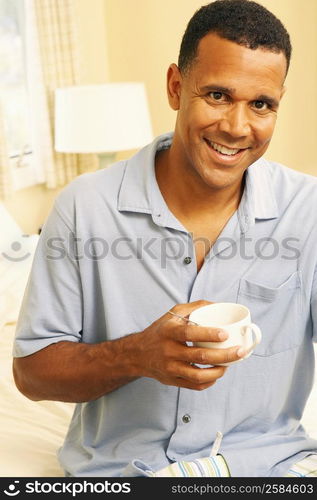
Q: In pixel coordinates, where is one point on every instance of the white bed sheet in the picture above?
(31, 432)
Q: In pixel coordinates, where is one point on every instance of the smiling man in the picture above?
(227, 101)
(198, 216)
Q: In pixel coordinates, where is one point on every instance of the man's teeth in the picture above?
(222, 149)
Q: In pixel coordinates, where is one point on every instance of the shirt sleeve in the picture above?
(51, 309)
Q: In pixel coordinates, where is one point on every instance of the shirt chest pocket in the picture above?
(277, 311)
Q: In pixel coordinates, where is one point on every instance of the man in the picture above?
(196, 217)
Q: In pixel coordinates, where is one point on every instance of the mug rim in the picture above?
(241, 306)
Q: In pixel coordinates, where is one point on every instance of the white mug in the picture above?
(233, 318)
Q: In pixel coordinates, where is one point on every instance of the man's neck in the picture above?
(189, 195)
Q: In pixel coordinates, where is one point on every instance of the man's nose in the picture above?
(236, 121)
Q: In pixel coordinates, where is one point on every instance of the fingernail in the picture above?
(241, 352)
(222, 335)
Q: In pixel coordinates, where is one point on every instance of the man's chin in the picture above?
(218, 179)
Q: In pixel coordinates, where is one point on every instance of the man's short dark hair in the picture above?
(242, 21)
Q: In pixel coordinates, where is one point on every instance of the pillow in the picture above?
(16, 256)
(9, 230)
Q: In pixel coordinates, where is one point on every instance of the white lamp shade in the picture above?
(101, 118)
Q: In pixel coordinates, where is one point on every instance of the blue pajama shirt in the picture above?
(112, 258)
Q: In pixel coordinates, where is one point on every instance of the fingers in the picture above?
(190, 306)
(185, 309)
(187, 332)
(174, 351)
(181, 333)
(198, 375)
(210, 356)
(172, 361)
(192, 377)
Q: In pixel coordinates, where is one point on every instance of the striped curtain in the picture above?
(52, 61)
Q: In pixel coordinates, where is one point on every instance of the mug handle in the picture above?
(257, 334)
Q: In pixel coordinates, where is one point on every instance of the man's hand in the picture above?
(76, 372)
(164, 354)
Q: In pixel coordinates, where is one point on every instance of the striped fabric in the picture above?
(304, 468)
(54, 61)
(215, 466)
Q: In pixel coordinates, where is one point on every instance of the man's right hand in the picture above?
(163, 353)
(77, 372)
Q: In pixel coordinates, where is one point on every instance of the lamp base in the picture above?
(106, 159)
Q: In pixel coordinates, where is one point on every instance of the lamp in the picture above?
(102, 119)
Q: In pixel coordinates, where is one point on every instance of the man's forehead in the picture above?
(216, 54)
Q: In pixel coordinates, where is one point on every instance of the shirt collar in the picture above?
(139, 191)
(258, 200)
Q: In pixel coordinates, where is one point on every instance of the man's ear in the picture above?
(174, 84)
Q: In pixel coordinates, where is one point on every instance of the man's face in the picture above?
(227, 106)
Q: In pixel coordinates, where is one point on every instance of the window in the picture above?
(13, 90)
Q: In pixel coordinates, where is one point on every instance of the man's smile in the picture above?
(224, 152)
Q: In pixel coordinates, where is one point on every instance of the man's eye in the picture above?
(260, 105)
(217, 96)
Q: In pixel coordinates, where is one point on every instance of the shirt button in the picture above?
(186, 419)
(187, 260)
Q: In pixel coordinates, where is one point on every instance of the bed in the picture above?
(31, 432)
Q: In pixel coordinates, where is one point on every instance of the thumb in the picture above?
(191, 306)
(184, 310)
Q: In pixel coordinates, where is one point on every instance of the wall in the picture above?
(92, 40)
(295, 135)
(30, 207)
